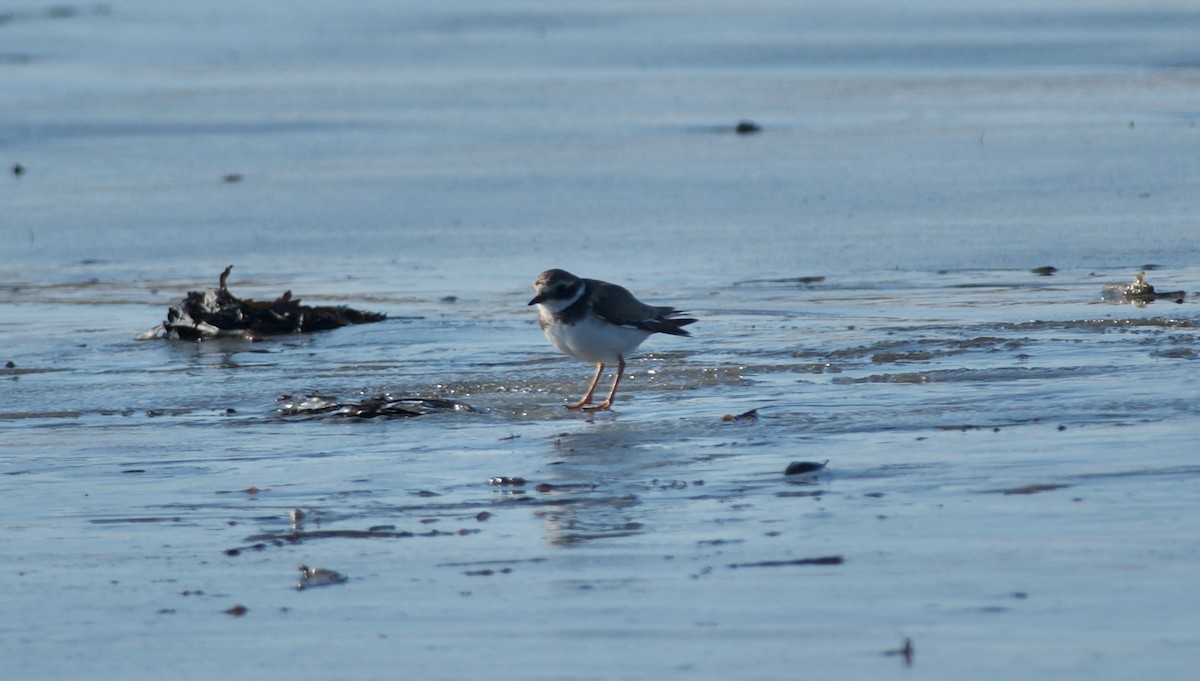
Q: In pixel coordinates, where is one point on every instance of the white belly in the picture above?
(594, 340)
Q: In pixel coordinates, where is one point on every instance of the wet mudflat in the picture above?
(1009, 460)
(901, 231)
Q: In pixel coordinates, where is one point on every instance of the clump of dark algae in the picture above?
(385, 405)
(217, 313)
(1139, 292)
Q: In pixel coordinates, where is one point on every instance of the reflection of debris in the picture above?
(310, 577)
(1031, 489)
(384, 405)
(804, 467)
(218, 313)
(1139, 292)
(823, 560)
(488, 572)
(261, 542)
(787, 280)
(905, 651)
(744, 416)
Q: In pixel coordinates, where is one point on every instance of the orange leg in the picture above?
(587, 399)
(616, 382)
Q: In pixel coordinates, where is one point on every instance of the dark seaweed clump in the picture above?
(215, 313)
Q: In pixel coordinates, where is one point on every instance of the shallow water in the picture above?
(1011, 480)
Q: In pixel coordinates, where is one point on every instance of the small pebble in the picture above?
(803, 467)
(747, 128)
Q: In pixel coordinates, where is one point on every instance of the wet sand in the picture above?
(1011, 481)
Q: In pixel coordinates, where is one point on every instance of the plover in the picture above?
(598, 322)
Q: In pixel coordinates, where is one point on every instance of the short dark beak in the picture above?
(536, 299)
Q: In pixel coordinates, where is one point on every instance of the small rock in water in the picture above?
(311, 577)
(747, 128)
(506, 480)
(1045, 271)
(804, 467)
(744, 416)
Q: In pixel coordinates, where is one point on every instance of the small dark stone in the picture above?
(18, 169)
(1044, 271)
(802, 467)
(10, 365)
(747, 128)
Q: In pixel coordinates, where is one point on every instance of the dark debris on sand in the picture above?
(385, 405)
(1139, 292)
(216, 313)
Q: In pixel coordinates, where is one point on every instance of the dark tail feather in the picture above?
(665, 323)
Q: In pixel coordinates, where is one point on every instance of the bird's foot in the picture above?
(598, 407)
